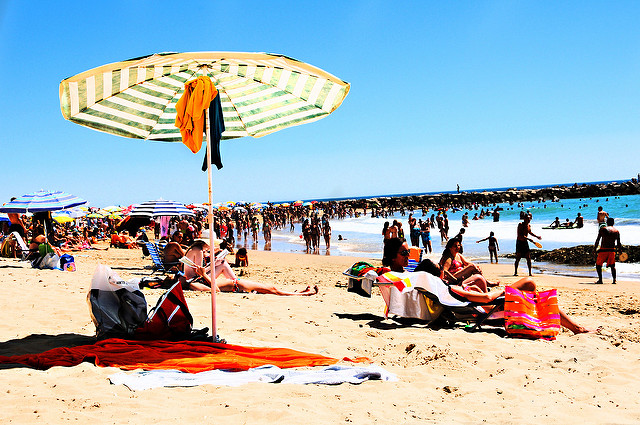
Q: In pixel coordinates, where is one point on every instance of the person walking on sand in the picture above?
(609, 240)
(493, 246)
(522, 242)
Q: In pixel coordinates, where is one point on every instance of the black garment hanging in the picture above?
(216, 123)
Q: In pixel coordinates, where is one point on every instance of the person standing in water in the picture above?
(609, 240)
(493, 246)
(522, 242)
(602, 217)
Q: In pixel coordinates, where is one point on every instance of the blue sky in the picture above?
(481, 94)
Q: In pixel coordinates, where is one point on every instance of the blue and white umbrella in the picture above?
(160, 208)
(40, 201)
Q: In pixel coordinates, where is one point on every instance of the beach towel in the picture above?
(331, 375)
(531, 314)
(187, 356)
(216, 128)
(190, 116)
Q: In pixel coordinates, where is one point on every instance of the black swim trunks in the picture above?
(522, 248)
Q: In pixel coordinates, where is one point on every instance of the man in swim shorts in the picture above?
(602, 217)
(522, 242)
(609, 240)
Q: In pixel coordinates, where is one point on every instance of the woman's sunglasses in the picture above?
(404, 253)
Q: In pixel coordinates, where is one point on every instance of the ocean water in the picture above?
(362, 236)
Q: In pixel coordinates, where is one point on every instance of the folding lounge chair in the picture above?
(453, 308)
(406, 304)
(415, 256)
(23, 246)
(156, 257)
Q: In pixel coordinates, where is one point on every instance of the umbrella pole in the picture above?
(214, 328)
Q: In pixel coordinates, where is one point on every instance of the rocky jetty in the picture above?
(631, 187)
(581, 255)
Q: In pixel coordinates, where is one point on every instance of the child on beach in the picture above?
(493, 246)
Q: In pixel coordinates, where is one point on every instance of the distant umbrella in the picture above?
(41, 201)
(160, 208)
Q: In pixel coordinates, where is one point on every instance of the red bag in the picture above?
(531, 314)
(169, 319)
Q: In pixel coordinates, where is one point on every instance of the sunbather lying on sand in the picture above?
(226, 279)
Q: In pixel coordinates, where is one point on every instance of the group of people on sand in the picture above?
(195, 271)
(463, 278)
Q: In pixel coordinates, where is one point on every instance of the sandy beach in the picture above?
(445, 375)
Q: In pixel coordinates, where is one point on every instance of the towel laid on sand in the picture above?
(332, 375)
(187, 356)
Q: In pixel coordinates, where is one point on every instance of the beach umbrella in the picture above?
(297, 203)
(95, 214)
(71, 213)
(259, 94)
(160, 208)
(4, 217)
(62, 218)
(41, 201)
(112, 208)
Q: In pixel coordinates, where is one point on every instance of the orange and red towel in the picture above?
(190, 117)
(187, 356)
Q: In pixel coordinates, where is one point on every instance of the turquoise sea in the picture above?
(362, 236)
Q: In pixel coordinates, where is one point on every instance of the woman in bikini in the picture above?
(456, 270)
(226, 279)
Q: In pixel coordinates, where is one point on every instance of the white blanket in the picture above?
(331, 375)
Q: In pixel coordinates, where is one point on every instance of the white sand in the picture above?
(450, 376)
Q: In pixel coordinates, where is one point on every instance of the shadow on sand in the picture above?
(39, 343)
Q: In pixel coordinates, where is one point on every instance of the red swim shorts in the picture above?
(606, 257)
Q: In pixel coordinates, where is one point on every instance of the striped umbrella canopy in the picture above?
(260, 93)
(76, 212)
(42, 200)
(160, 208)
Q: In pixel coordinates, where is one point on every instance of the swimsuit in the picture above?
(455, 266)
(522, 247)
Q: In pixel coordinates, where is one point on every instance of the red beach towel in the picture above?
(187, 356)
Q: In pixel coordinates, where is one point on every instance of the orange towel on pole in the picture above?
(190, 117)
(187, 356)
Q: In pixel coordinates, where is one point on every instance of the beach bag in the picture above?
(49, 261)
(170, 319)
(531, 314)
(67, 263)
(117, 307)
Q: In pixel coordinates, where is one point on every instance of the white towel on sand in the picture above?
(331, 375)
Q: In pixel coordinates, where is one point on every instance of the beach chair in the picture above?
(455, 308)
(415, 256)
(156, 256)
(424, 296)
(23, 246)
(407, 304)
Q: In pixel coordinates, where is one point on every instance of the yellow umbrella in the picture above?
(63, 218)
